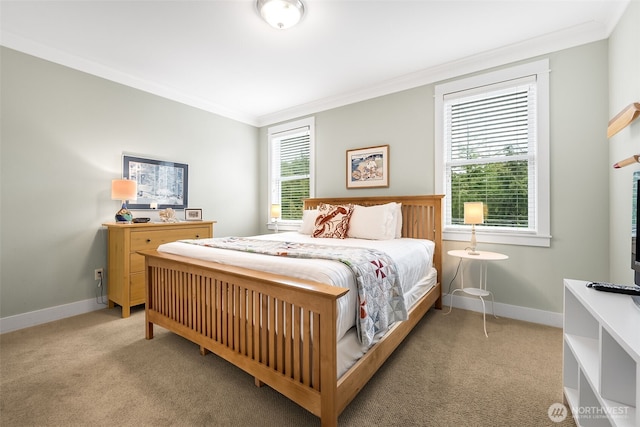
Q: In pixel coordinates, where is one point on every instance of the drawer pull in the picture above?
(197, 236)
(148, 240)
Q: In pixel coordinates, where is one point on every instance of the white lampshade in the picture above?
(473, 213)
(281, 14)
(124, 189)
(275, 211)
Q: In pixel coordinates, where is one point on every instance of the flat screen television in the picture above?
(635, 242)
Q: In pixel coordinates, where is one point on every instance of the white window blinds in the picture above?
(291, 152)
(490, 137)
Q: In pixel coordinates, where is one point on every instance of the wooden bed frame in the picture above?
(276, 328)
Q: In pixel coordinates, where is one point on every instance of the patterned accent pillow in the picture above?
(332, 221)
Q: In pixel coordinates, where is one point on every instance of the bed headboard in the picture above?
(421, 216)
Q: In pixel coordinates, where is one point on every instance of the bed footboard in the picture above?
(270, 326)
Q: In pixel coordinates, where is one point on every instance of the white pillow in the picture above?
(308, 221)
(374, 222)
(398, 218)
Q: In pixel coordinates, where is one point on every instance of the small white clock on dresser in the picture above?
(601, 356)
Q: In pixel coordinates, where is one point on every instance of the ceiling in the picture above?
(221, 57)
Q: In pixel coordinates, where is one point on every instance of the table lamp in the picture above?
(275, 214)
(124, 189)
(473, 214)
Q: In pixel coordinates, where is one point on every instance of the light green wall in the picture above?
(532, 277)
(624, 88)
(403, 120)
(63, 135)
(63, 128)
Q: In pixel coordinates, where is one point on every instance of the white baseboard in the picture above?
(549, 318)
(33, 318)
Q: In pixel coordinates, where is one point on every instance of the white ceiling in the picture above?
(221, 57)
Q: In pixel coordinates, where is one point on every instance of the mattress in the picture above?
(413, 259)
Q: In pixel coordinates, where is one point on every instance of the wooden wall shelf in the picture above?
(623, 119)
(628, 161)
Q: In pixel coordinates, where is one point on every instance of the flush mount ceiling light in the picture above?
(281, 14)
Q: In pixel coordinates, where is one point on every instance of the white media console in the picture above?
(601, 356)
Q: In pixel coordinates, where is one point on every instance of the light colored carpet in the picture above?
(97, 369)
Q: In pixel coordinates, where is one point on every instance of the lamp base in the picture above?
(473, 243)
(124, 214)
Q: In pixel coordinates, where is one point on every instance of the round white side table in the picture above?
(480, 292)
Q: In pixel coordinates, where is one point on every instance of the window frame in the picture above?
(273, 133)
(541, 235)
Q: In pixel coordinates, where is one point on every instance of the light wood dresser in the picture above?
(125, 272)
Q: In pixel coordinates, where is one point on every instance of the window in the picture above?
(291, 168)
(492, 140)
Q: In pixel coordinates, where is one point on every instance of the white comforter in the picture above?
(413, 258)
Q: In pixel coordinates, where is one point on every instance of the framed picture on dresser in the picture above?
(162, 184)
(191, 214)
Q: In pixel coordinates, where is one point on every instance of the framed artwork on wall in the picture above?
(368, 167)
(161, 184)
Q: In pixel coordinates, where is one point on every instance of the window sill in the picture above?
(499, 238)
(284, 226)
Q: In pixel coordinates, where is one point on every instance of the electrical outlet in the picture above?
(98, 273)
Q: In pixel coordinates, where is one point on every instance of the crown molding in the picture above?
(571, 37)
(86, 65)
(575, 36)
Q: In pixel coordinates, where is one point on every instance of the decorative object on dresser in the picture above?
(282, 329)
(368, 167)
(473, 214)
(168, 215)
(601, 356)
(192, 214)
(123, 190)
(125, 271)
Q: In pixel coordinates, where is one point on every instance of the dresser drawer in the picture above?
(136, 289)
(136, 262)
(151, 239)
